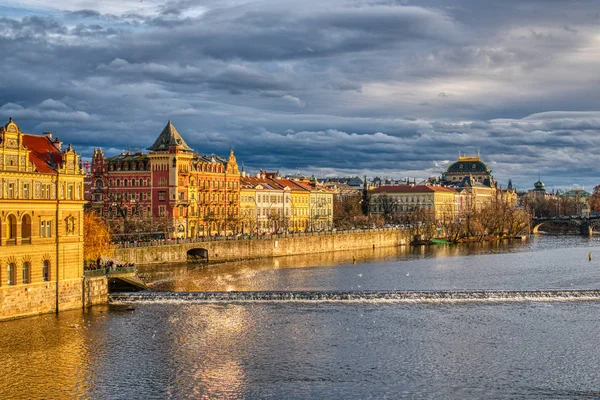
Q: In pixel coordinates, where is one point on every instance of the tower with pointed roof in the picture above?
(182, 193)
(170, 159)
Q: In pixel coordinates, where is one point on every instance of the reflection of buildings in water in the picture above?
(268, 273)
(50, 349)
(221, 328)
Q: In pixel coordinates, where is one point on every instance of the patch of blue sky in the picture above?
(20, 12)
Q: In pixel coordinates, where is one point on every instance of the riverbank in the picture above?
(265, 247)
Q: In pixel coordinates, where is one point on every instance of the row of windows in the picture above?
(163, 181)
(395, 208)
(11, 227)
(13, 277)
(125, 182)
(12, 191)
(215, 184)
(133, 166)
(126, 196)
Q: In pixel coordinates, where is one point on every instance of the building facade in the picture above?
(272, 204)
(474, 184)
(170, 191)
(41, 224)
(399, 201)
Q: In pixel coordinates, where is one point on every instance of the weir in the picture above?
(358, 296)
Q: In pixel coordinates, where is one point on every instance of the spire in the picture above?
(169, 137)
(510, 186)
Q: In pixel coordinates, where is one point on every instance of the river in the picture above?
(321, 349)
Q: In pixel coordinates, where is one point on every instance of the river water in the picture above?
(321, 349)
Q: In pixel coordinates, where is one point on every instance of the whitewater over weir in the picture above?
(357, 296)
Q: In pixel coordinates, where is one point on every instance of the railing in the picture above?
(171, 242)
(89, 273)
(121, 270)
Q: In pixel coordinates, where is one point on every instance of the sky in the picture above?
(332, 88)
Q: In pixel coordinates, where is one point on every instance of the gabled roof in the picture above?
(169, 137)
(42, 153)
(291, 184)
(210, 158)
(254, 182)
(128, 157)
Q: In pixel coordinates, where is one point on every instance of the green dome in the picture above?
(468, 167)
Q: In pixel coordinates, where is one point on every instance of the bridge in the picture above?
(583, 224)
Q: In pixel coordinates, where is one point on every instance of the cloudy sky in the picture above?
(387, 88)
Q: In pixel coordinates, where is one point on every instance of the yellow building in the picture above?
(391, 201)
(299, 200)
(475, 185)
(320, 205)
(41, 224)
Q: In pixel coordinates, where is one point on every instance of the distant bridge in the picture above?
(585, 225)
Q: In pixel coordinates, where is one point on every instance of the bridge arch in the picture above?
(197, 255)
(584, 228)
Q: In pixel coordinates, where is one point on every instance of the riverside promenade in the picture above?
(238, 248)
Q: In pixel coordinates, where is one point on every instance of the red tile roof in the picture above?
(412, 189)
(291, 184)
(252, 181)
(42, 153)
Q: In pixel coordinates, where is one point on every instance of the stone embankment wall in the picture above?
(225, 250)
(95, 291)
(40, 298)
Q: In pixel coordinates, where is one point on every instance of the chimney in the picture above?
(48, 135)
(58, 144)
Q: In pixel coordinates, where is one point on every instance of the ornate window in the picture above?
(46, 271)
(26, 272)
(11, 227)
(12, 272)
(45, 228)
(26, 227)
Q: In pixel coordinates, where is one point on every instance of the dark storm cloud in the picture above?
(386, 88)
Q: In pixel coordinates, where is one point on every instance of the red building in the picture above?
(170, 190)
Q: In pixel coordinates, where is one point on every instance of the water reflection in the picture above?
(44, 348)
(324, 350)
(497, 265)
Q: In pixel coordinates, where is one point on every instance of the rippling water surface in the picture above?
(369, 349)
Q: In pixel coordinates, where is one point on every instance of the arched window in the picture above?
(118, 182)
(26, 227)
(12, 270)
(46, 271)
(11, 227)
(99, 183)
(26, 272)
